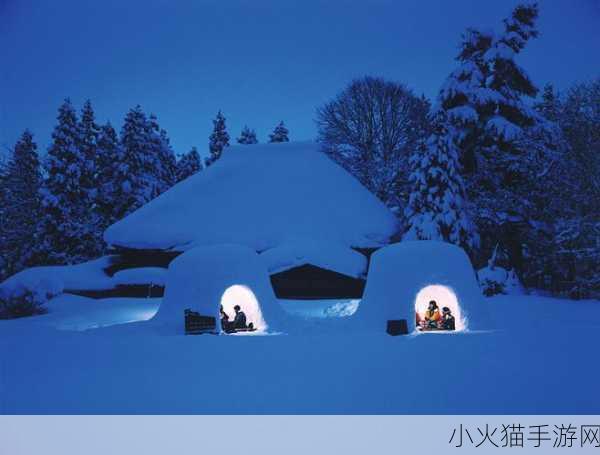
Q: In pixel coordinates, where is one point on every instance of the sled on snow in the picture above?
(249, 328)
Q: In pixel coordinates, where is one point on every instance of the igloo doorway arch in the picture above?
(444, 297)
(243, 296)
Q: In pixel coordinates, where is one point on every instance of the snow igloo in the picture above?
(204, 278)
(404, 277)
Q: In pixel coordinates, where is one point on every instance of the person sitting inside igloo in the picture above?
(239, 322)
(432, 316)
(434, 320)
(225, 323)
(448, 321)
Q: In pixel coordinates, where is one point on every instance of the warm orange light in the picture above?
(444, 296)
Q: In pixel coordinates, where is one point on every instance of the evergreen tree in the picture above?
(112, 177)
(483, 97)
(219, 139)
(247, 136)
(139, 185)
(436, 207)
(549, 105)
(148, 165)
(163, 157)
(68, 228)
(188, 164)
(20, 187)
(88, 146)
(280, 134)
(89, 138)
(499, 136)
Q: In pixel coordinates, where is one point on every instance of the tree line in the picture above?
(54, 210)
(492, 166)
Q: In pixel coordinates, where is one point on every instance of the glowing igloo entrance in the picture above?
(245, 298)
(444, 297)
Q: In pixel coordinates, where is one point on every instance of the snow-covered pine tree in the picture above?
(162, 156)
(89, 139)
(279, 134)
(138, 187)
(493, 127)
(436, 208)
(483, 97)
(112, 177)
(247, 136)
(148, 166)
(218, 140)
(67, 231)
(88, 144)
(21, 201)
(188, 164)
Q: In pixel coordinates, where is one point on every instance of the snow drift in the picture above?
(260, 196)
(405, 276)
(54, 279)
(204, 278)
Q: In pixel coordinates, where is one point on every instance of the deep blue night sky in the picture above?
(259, 61)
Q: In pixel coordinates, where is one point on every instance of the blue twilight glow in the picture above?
(259, 61)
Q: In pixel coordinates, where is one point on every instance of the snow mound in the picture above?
(259, 196)
(403, 278)
(143, 275)
(206, 277)
(298, 252)
(53, 280)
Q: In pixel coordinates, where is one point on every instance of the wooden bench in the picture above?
(196, 324)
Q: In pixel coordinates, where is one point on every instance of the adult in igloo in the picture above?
(207, 279)
(405, 277)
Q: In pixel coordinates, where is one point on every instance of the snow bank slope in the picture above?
(259, 196)
(53, 280)
(399, 272)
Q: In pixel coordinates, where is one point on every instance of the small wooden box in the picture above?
(397, 327)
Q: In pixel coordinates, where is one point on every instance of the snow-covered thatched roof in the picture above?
(261, 196)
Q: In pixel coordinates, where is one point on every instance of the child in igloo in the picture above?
(434, 320)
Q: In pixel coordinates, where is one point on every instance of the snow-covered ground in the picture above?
(540, 359)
